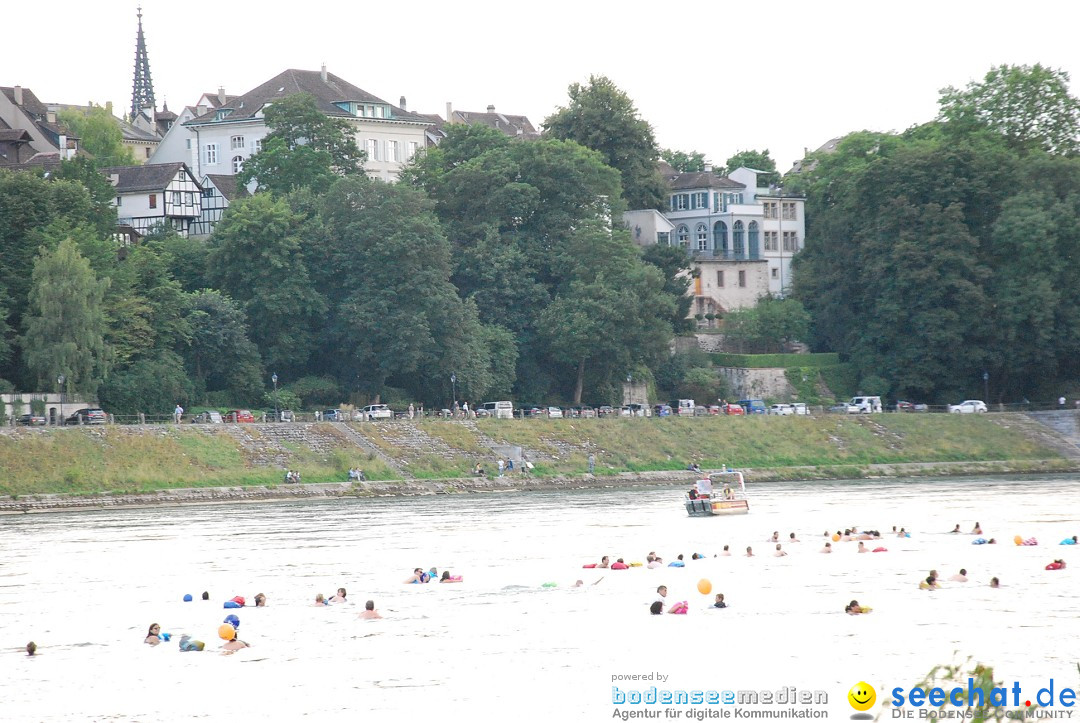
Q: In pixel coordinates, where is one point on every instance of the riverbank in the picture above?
(117, 460)
(507, 484)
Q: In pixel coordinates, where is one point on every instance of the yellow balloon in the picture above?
(704, 586)
(226, 632)
(1018, 540)
(836, 537)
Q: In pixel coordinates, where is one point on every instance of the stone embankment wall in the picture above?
(769, 383)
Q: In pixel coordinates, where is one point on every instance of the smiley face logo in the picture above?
(862, 696)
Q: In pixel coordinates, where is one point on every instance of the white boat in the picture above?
(721, 493)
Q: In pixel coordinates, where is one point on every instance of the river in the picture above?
(85, 587)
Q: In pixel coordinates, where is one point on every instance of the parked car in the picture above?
(207, 417)
(662, 410)
(606, 411)
(843, 408)
(498, 410)
(581, 412)
(554, 413)
(241, 415)
(800, 408)
(635, 410)
(733, 409)
(753, 406)
(968, 406)
(333, 415)
(902, 406)
(782, 409)
(286, 415)
(531, 410)
(376, 411)
(89, 415)
(32, 420)
(865, 405)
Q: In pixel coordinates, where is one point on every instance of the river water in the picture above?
(85, 587)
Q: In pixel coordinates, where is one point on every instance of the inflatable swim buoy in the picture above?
(619, 566)
(1056, 566)
(637, 564)
(188, 598)
(239, 601)
(1030, 542)
(226, 631)
(230, 604)
(589, 566)
(1018, 540)
(880, 549)
(550, 584)
(835, 537)
(232, 620)
(979, 541)
(1067, 541)
(679, 608)
(677, 563)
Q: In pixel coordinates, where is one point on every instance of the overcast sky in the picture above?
(711, 76)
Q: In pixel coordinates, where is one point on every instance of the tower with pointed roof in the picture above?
(142, 91)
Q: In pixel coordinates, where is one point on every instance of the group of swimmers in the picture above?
(419, 576)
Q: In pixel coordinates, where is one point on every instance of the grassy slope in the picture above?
(132, 459)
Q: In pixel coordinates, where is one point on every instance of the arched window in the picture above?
(752, 234)
(720, 236)
(702, 237)
(737, 238)
(683, 235)
(237, 163)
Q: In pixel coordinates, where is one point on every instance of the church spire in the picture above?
(142, 92)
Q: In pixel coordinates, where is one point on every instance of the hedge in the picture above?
(783, 361)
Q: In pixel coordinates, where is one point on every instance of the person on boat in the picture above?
(827, 548)
(960, 576)
(862, 547)
(370, 613)
(955, 530)
(153, 635)
(779, 552)
(726, 552)
(994, 582)
(729, 494)
(693, 493)
(749, 552)
(977, 530)
(339, 597)
(719, 601)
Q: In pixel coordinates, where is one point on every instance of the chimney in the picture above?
(708, 168)
(401, 102)
(322, 74)
(221, 95)
(491, 109)
(449, 112)
(18, 94)
(108, 106)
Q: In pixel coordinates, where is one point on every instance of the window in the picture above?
(776, 273)
(737, 238)
(771, 241)
(119, 200)
(702, 233)
(752, 237)
(789, 210)
(701, 200)
(236, 142)
(790, 241)
(413, 148)
(372, 149)
(258, 145)
(177, 199)
(716, 203)
(663, 238)
(742, 279)
(187, 143)
(393, 151)
(770, 209)
(682, 202)
(720, 278)
(237, 163)
(147, 152)
(720, 236)
(211, 153)
(153, 200)
(683, 234)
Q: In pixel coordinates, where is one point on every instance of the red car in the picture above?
(240, 415)
(733, 409)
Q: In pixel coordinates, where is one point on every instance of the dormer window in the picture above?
(222, 114)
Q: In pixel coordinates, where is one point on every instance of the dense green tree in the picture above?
(1030, 106)
(758, 161)
(99, 135)
(65, 323)
(255, 257)
(684, 162)
(603, 117)
(221, 357)
(673, 264)
(305, 148)
(152, 386)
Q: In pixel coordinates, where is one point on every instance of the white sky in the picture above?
(711, 76)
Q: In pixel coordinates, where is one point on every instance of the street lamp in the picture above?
(60, 382)
(986, 385)
(277, 417)
(453, 382)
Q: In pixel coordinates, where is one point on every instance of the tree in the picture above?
(255, 256)
(602, 117)
(99, 135)
(65, 324)
(150, 385)
(305, 148)
(1030, 106)
(673, 263)
(220, 356)
(758, 161)
(684, 162)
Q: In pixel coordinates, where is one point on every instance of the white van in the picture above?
(499, 410)
(864, 405)
(685, 407)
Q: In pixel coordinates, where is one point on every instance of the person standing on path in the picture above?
(592, 463)
(501, 466)
(178, 413)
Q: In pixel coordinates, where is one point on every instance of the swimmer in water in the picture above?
(605, 561)
(960, 576)
(749, 552)
(827, 548)
(260, 600)
(977, 530)
(320, 601)
(862, 547)
(930, 583)
(955, 530)
(657, 608)
(152, 635)
(31, 647)
(726, 551)
(339, 597)
(775, 537)
(994, 582)
(792, 538)
(719, 601)
(417, 577)
(370, 613)
(779, 552)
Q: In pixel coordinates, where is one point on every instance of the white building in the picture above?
(229, 130)
(149, 196)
